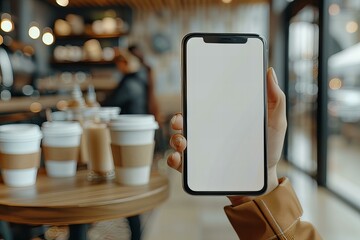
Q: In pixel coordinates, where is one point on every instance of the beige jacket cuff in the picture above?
(271, 216)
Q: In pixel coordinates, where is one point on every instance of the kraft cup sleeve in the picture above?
(60, 153)
(132, 155)
(20, 161)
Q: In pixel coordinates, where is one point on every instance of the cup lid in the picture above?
(109, 110)
(61, 128)
(108, 113)
(19, 132)
(133, 122)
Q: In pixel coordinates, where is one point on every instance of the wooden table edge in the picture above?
(82, 214)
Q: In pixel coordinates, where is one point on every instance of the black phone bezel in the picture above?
(230, 38)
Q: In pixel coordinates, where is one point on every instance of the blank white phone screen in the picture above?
(225, 115)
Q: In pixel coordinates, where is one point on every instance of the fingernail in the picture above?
(173, 119)
(176, 155)
(177, 142)
(273, 74)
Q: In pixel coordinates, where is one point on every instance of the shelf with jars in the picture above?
(89, 39)
(92, 35)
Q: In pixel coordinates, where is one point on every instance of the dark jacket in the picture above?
(130, 95)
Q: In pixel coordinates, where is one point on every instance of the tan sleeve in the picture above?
(275, 215)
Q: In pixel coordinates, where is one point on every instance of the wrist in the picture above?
(238, 200)
(273, 181)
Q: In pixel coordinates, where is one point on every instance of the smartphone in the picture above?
(225, 111)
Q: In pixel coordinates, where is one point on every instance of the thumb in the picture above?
(273, 88)
(275, 101)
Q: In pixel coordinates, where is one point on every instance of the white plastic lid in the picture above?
(109, 110)
(63, 128)
(107, 113)
(19, 132)
(133, 122)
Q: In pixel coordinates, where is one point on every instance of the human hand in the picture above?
(276, 127)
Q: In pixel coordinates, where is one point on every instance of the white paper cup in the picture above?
(61, 147)
(20, 150)
(132, 141)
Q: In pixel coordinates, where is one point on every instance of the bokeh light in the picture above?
(334, 9)
(5, 95)
(351, 26)
(61, 105)
(34, 32)
(28, 90)
(335, 83)
(35, 107)
(28, 50)
(48, 38)
(7, 25)
(62, 3)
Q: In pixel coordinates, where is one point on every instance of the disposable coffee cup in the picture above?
(19, 154)
(61, 144)
(132, 144)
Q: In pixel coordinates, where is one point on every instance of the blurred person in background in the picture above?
(131, 94)
(147, 73)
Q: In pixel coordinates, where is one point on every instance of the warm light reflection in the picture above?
(62, 3)
(34, 32)
(335, 83)
(334, 9)
(226, 1)
(48, 38)
(351, 27)
(61, 105)
(1, 40)
(7, 25)
(28, 50)
(35, 107)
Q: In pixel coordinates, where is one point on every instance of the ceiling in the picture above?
(154, 4)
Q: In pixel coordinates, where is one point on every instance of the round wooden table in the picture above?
(75, 201)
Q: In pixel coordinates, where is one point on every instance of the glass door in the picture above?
(324, 117)
(302, 89)
(344, 100)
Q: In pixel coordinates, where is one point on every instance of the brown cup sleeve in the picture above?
(19, 161)
(60, 153)
(132, 155)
